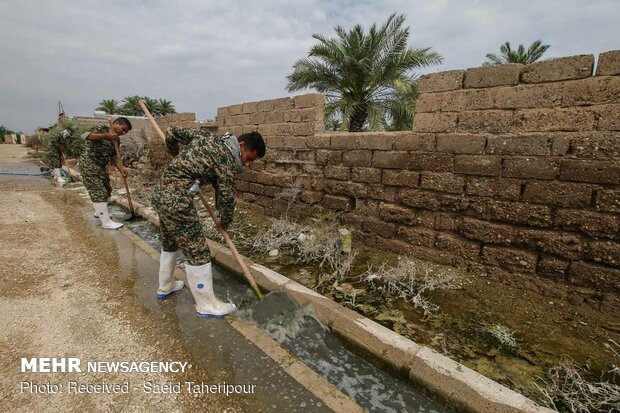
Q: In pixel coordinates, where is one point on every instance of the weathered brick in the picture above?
(493, 121)
(390, 159)
(594, 276)
(607, 117)
(265, 106)
(357, 158)
(552, 267)
(510, 258)
(398, 214)
(496, 75)
(608, 63)
(351, 189)
(417, 235)
(587, 145)
(453, 101)
(518, 145)
(608, 200)
(595, 224)
(368, 175)
(334, 157)
(309, 100)
(365, 140)
(303, 129)
(547, 120)
(443, 182)
(250, 107)
(318, 142)
(294, 142)
(558, 193)
(554, 242)
(480, 99)
(445, 221)
(520, 213)
(478, 165)
(498, 188)
(383, 193)
(284, 129)
(337, 172)
(438, 82)
(432, 162)
(435, 122)
(241, 186)
(603, 172)
(572, 67)
(461, 143)
(400, 178)
(488, 232)
(379, 227)
(272, 191)
(425, 219)
(291, 115)
(282, 103)
(458, 246)
(414, 142)
(222, 112)
(336, 203)
(606, 252)
(433, 201)
(311, 197)
(532, 167)
(256, 188)
(235, 110)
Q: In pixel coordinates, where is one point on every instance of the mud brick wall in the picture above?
(159, 157)
(511, 169)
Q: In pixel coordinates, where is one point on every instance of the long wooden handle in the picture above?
(120, 159)
(244, 268)
(153, 122)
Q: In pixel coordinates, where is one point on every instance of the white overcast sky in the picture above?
(202, 54)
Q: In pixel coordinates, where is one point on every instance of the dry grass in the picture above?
(566, 390)
(411, 281)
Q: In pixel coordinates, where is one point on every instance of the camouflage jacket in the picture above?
(207, 158)
(56, 145)
(97, 153)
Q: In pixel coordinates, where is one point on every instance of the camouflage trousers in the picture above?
(179, 224)
(54, 158)
(97, 182)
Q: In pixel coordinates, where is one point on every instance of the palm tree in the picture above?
(165, 107)
(109, 106)
(520, 55)
(402, 105)
(357, 71)
(151, 104)
(131, 107)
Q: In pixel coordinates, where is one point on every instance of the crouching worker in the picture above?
(98, 153)
(56, 148)
(212, 160)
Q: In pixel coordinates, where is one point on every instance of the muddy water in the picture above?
(302, 334)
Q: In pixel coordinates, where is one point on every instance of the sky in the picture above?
(204, 54)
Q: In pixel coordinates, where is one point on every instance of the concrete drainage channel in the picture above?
(309, 325)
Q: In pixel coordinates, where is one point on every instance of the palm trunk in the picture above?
(356, 123)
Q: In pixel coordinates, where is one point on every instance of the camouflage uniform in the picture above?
(56, 144)
(207, 158)
(96, 156)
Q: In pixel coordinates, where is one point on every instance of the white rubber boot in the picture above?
(200, 280)
(58, 178)
(167, 283)
(101, 209)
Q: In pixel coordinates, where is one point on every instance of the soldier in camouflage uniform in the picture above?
(56, 147)
(98, 153)
(212, 160)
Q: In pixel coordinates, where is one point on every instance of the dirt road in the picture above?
(65, 292)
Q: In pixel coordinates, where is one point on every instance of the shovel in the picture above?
(118, 156)
(195, 189)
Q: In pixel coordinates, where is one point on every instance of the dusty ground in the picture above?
(57, 300)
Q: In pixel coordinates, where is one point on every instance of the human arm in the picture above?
(176, 135)
(224, 186)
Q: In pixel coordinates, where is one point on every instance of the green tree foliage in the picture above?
(4, 131)
(518, 55)
(359, 71)
(109, 106)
